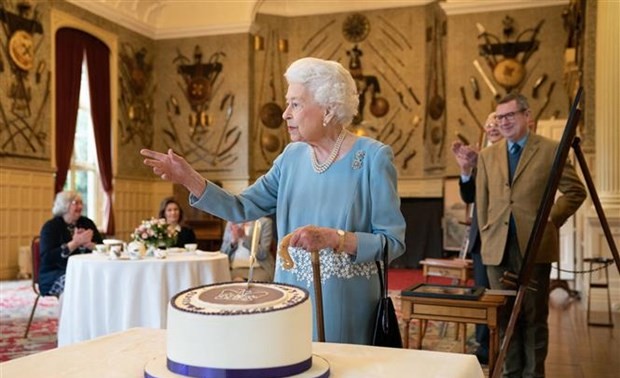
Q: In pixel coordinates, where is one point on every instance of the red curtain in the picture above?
(98, 60)
(76, 42)
(69, 56)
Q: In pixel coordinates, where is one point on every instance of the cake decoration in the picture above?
(236, 298)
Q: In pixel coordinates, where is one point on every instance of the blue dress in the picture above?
(357, 194)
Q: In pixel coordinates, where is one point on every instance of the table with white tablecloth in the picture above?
(125, 355)
(103, 296)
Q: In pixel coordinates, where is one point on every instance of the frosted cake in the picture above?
(228, 331)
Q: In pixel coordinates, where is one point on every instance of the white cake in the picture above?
(226, 330)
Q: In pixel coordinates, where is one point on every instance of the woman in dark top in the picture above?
(173, 213)
(67, 233)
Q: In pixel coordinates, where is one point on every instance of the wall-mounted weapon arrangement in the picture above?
(136, 97)
(507, 69)
(272, 134)
(508, 58)
(377, 58)
(435, 121)
(22, 133)
(204, 136)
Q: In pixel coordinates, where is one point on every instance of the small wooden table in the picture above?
(481, 311)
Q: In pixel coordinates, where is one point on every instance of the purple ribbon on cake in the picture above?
(206, 372)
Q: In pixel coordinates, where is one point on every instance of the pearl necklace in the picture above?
(320, 168)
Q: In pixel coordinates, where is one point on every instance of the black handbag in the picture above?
(386, 332)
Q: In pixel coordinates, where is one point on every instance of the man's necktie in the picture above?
(513, 159)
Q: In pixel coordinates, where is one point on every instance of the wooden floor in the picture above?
(577, 350)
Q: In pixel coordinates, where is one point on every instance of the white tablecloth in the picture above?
(125, 354)
(104, 296)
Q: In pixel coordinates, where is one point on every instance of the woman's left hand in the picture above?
(313, 238)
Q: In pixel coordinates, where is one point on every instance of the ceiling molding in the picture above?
(165, 19)
(288, 8)
(456, 7)
(207, 30)
(128, 14)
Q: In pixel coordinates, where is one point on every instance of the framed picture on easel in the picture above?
(454, 222)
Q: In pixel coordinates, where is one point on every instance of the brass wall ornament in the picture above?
(271, 132)
(355, 28)
(21, 48)
(21, 128)
(379, 106)
(136, 100)
(507, 58)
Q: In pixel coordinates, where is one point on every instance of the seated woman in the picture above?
(173, 213)
(237, 242)
(67, 233)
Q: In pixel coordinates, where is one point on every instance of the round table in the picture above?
(103, 296)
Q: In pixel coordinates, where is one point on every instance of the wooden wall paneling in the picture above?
(26, 199)
(135, 200)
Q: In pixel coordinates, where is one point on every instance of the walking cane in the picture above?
(288, 263)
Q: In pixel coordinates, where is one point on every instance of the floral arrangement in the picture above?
(156, 232)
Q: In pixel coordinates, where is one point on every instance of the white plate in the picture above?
(175, 250)
(112, 242)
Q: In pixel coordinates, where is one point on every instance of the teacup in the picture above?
(101, 249)
(116, 250)
(160, 253)
(191, 247)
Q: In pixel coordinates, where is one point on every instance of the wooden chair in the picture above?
(460, 269)
(36, 259)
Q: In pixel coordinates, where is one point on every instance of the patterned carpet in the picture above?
(17, 298)
(440, 336)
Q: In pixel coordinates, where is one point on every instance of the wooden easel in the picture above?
(568, 139)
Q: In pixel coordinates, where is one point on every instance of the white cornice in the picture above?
(456, 7)
(118, 16)
(158, 19)
(289, 8)
(242, 27)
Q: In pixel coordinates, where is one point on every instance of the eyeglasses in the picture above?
(77, 202)
(491, 125)
(510, 116)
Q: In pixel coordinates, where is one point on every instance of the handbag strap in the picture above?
(383, 274)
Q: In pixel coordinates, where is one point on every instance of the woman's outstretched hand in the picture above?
(174, 168)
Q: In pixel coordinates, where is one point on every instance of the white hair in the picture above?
(330, 84)
(63, 201)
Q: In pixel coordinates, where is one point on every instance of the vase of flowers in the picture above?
(156, 233)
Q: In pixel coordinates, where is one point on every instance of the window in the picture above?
(83, 175)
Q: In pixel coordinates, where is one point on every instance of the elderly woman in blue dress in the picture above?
(334, 191)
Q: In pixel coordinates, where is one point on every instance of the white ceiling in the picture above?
(162, 19)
